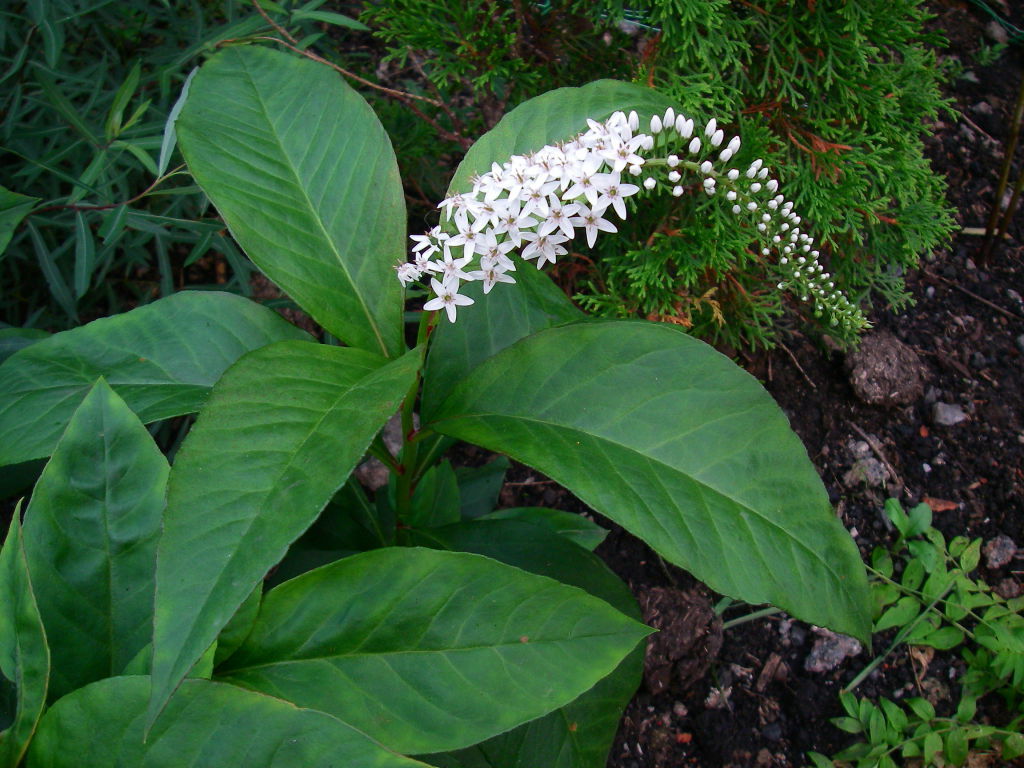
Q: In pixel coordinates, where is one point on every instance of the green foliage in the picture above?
(833, 95)
(88, 145)
(923, 588)
(414, 618)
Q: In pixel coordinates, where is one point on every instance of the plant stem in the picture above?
(900, 637)
(405, 485)
(753, 616)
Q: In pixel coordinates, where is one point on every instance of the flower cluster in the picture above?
(537, 203)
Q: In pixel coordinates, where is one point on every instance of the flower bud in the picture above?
(695, 146)
(655, 125)
(711, 127)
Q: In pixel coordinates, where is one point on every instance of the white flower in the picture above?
(544, 248)
(614, 193)
(591, 221)
(491, 277)
(448, 298)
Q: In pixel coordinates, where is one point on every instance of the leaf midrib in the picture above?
(320, 224)
(634, 451)
(429, 651)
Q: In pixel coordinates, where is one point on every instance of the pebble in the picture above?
(829, 651)
(1013, 295)
(1020, 342)
(999, 551)
(947, 415)
(870, 471)
(929, 292)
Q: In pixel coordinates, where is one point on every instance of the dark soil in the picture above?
(752, 702)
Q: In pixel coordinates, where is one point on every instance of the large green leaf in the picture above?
(304, 175)
(428, 651)
(279, 435)
(662, 434)
(552, 117)
(502, 317)
(575, 528)
(161, 359)
(90, 538)
(13, 339)
(579, 734)
(24, 656)
(206, 725)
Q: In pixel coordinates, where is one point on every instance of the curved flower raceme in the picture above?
(538, 203)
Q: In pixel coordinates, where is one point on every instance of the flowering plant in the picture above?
(266, 610)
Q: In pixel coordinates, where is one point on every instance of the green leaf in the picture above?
(13, 339)
(894, 511)
(206, 725)
(329, 17)
(899, 615)
(932, 747)
(13, 208)
(123, 95)
(847, 724)
(430, 651)
(85, 255)
(280, 433)
(943, 638)
(971, 556)
(956, 746)
(490, 325)
(161, 358)
(479, 487)
(920, 520)
(235, 631)
(90, 539)
(579, 734)
(1013, 746)
(24, 655)
(662, 434)
(551, 117)
(913, 575)
(921, 707)
(170, 138)
(894, 714)
(304, 175)
(436, 498)
(576, 528)
(54, 279)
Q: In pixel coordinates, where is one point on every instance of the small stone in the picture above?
(679, 709)
(999, 551)
(860, 448)
(870, 471)
(932, 395)
(929, 292)
(1008, 589)
(978, 360)
(1020, 342)
(829, 651)
(969, 264)
(947, 415)
(885, 371)
(995, 32)
(1014, 296)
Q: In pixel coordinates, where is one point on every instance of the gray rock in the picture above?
(829, 651)
(947, 415)
(1020, 342)
(869, 471)
(999, 551)
(885, 371)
